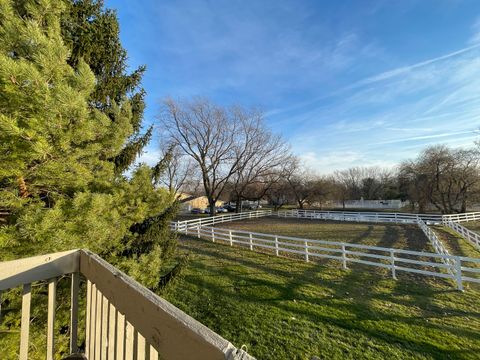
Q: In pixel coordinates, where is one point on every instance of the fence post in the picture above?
(392, 263)
(344, 257)
(458, 272)
(198, 231)
(230, 236)
(276, 245)
(251, 242)
(213, 235)
(306, 251)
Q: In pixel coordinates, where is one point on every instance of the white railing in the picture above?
(399, 218)
(431, 264)
(437, 244)
(181, 226)
(467, 234)
(124, 320)
(471, 216)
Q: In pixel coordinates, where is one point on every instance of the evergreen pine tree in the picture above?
(63, 128)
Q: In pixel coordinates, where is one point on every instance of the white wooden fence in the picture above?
(467, 234)
(471, 216)
(457, 268)
(362, 216)
(181, 226)
(437, 245)
(124, 320)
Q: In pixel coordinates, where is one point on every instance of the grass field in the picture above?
(287, 309)
(454, 243)
(387, 235)
(472, 225)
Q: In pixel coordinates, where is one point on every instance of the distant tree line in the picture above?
(228, 153)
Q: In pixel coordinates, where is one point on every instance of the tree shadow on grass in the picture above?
(354, 292)
(358, 314)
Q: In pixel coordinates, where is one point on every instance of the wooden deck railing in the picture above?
(124, 320)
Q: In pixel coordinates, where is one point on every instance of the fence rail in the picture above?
(124, 320)
(471, 216)
(361, 216)
(467, 234)
(457, 268)
(437, 245)
(181, 226)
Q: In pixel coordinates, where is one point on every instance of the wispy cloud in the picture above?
(347, 83)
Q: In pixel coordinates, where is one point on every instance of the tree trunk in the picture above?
(211, 204)
(238, 205)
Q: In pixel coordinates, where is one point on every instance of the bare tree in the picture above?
(260, 166)
(302, 183)
(218, 139)
(369, 183)
(181, 172)
(446, 178)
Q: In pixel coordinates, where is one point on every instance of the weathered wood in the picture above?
(174, 334)
(74, 312)
(112, 333)
(105, 313)
(93, 323)
(120, 342)
(88, 319)
(130, 352)
(153, 354)
(98, 325)
(25, 323)
(141, 345)
(25, 271)
(52, 291)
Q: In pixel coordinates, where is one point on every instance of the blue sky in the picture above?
(347, 83)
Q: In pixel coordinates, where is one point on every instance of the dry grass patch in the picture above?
(396, 236)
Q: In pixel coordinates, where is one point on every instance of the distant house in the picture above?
(200, 202)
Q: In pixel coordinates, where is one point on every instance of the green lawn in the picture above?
(281, 308)
(387, 235)
(472, 225)
(454, 243)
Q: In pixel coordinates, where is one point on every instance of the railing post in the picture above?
(392, 264)
(344, 257)
(251, 242)
(198, 231)
(74, 313)
(213, 234)
(52, 293)
(306, 251)
(25, 322)
(230, 237)
(458, 273)
(276, 245)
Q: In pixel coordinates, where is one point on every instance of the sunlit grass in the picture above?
(287, 309)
